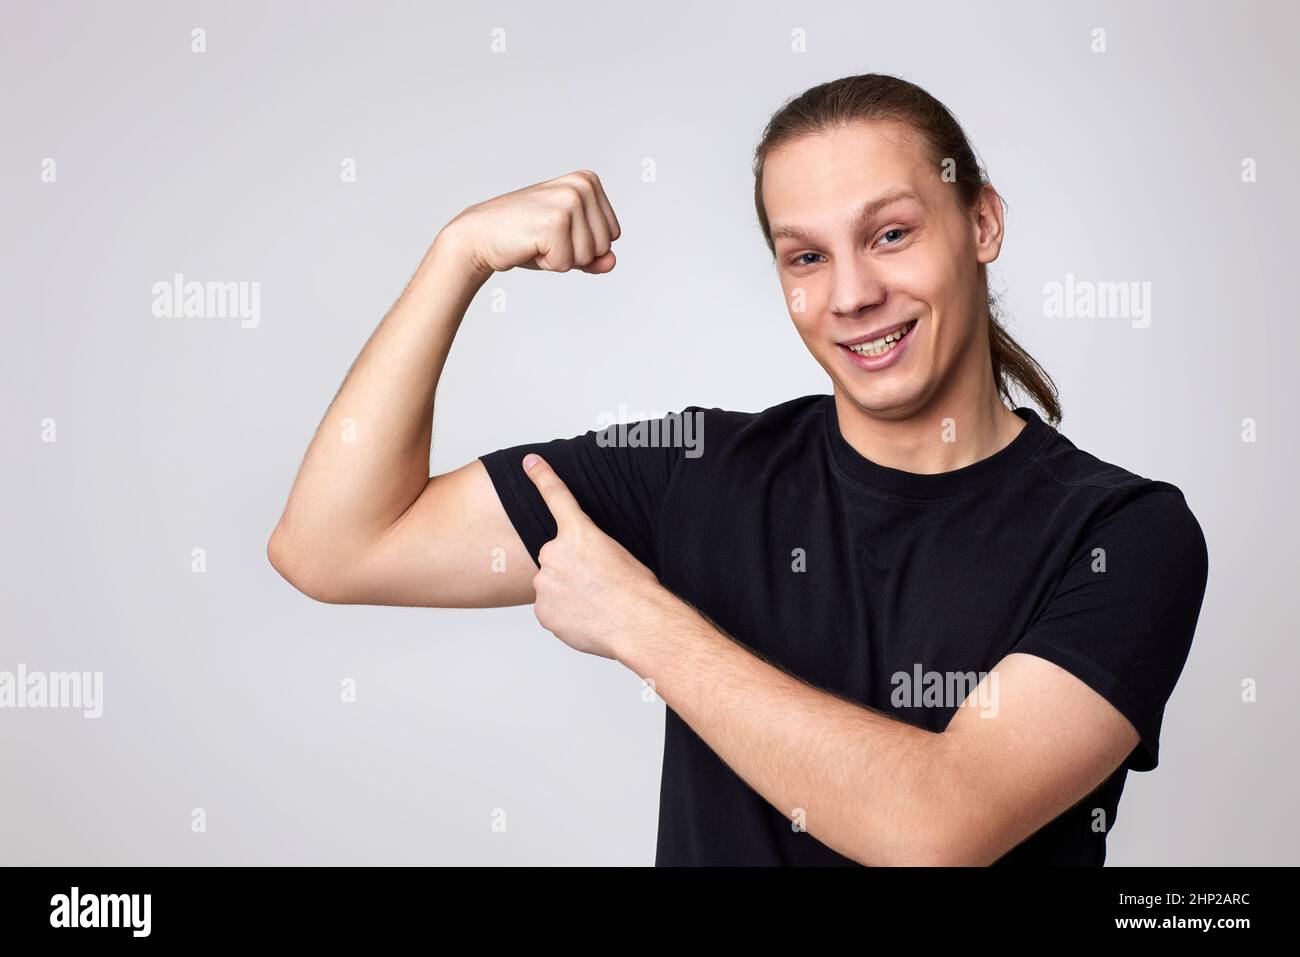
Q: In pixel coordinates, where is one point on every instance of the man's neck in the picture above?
(940, 439)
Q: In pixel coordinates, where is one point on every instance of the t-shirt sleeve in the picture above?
(1124, 613)
(620, 476)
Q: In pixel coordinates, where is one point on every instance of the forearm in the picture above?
(369, 458)
(868, 786)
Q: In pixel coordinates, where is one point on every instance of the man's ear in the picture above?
(987, 222)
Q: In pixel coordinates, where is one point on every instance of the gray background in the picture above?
(222, 688)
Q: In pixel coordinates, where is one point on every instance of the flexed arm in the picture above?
(364, 522)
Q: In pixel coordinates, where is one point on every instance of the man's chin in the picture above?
(891, 403)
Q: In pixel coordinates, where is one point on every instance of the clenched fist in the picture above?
(558, 225)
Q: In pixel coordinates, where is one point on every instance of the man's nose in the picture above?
(855, 287)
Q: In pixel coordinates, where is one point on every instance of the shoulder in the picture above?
(1107, 500)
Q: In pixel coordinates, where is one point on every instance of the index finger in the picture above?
(564, 507)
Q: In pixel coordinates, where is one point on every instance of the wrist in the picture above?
(451, 249)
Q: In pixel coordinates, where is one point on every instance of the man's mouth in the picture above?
(878, 347)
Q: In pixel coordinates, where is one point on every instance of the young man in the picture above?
(899, 624)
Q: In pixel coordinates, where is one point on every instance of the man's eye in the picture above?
(901, 231)
(801, 259)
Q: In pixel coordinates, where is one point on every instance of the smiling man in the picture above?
(911, 528)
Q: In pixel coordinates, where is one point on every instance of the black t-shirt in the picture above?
(852, 575)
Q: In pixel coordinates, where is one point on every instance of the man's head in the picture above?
(881, 222)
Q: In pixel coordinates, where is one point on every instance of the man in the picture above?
(794, 591)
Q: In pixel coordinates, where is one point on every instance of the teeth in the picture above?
(879, 347)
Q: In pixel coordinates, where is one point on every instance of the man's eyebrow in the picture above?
(868, 209)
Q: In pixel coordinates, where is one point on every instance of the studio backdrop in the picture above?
(300, 158)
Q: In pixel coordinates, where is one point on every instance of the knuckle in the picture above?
(570, 195)
(556, 217)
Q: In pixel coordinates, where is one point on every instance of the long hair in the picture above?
(878, 96)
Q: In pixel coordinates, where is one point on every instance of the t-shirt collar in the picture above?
(1000, 465)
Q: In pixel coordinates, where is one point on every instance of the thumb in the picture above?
(601, 264)
(564, 507)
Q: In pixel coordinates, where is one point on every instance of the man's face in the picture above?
(910, 266)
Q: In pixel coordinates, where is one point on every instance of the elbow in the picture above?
(928, 844)
(943, 821)
(961, 830)
(302, 566)
(946, 849)
(932, 842)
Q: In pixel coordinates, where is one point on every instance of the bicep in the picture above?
(1028, 745)
(455, 547)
